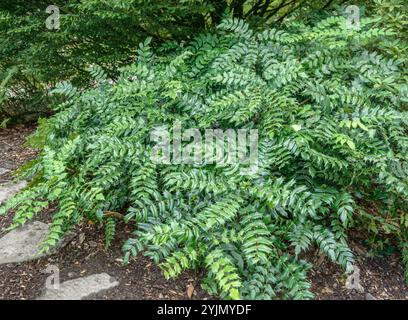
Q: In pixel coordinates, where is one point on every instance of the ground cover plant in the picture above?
(329, 103)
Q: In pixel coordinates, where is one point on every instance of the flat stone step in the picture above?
(80, 288)
(10, 189)
(22, 244)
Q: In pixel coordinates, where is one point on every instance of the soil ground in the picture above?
(85, 254)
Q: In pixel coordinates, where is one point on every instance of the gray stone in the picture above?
(22, 244)
(80, 288)
(3, 171)
(369, 296)
(10, 189)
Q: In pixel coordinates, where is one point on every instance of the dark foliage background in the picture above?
(33, 59)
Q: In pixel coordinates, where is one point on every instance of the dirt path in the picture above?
(381, 278)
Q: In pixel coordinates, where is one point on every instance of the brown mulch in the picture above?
(85, 254)
(381, 278)
(12, 152)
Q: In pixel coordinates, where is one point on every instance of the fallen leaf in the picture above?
(190, 290)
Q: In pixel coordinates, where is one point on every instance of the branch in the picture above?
(114, 214)
(294, 8)
(282, 5)
(238, 8)
(327, 4)
(254, 8)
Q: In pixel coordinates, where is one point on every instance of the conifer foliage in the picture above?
(329, 103)
(34, 58)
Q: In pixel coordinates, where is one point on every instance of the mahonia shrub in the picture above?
(329, 104)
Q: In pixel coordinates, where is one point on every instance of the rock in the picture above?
(80, 288)
(369, 296)
(3, 171)
(10, 189)
(22, 244)
(360, 288)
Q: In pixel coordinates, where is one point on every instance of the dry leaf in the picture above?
(190, 290)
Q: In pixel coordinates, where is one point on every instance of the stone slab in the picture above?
(10, 189)
(22, 244)
(80, 288)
